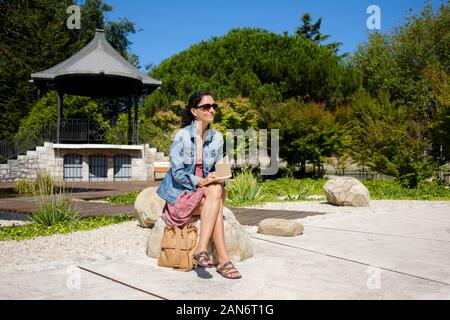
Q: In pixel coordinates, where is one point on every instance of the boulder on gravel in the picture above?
(148, 206)
(237, 241)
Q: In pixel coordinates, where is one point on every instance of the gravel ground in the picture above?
(117, 240)
(12, 219)
(9, 223)
(129, 239)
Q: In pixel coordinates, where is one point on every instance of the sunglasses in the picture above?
(208, 106)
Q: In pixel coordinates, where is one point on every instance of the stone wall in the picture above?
(27, 166)
(51, 160)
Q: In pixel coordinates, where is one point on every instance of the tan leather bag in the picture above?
(177, 247)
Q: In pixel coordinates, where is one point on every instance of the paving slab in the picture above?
(64, 283)
(276, 272)
(400, 254)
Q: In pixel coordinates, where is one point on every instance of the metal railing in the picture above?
(13, 146)
(82, 130)
(71, 131)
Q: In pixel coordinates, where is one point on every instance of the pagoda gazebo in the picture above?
(97, 70)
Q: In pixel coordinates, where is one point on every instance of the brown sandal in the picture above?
(227, 270)
(203, 260)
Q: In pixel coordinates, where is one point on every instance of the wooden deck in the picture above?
(91, 191)
(82, 191)
(99, 190)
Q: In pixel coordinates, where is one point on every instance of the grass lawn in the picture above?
(378, 189)
(123, 199)
(290, 189)
(392, 190)
(33, 230)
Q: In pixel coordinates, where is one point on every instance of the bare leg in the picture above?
(219, 239)
(219, 236)
(209, 213)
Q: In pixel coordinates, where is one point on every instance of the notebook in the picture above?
(223, 170)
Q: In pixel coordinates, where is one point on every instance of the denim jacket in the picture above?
(183, 152)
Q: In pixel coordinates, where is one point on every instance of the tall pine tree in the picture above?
(34, 37)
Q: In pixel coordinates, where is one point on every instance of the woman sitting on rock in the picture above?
(188, 188)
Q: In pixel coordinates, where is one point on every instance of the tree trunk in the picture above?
(303, 168)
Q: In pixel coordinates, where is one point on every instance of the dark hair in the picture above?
(194, 100)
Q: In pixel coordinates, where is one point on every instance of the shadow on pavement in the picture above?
(202, 273)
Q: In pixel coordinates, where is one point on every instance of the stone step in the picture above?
(159, 156)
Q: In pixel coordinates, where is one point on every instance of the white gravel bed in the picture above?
(129, 239)
(9, 223)
(13, 219)
(117, 240)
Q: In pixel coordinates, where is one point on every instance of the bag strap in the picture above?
(177, 254)
(185, 231)
(185, 237)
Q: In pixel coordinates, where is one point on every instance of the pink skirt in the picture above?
(181, 212)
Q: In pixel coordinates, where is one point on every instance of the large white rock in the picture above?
(148, 206)
(280, 227)
(346, 191)
(238, 243)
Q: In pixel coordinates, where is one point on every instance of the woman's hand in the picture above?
(204, 181)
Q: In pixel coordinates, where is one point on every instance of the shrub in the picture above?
(388, 139)
(391, 189)
(245, 189)
(53, 209)
(24, 186)
(43, 184)
(291, 189)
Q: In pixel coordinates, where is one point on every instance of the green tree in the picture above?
(149, 132)
(308, 132)
(34, 37)
(387, 139)
(43, 114)
(246, 62)
(410, 65)
(310, 30)
(40, 124)
(235, 113)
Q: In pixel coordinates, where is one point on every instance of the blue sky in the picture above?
(171, 26)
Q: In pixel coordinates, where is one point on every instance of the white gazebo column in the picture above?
(85, 177)
(110, 173)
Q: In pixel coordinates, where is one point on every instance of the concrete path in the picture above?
(402, 254)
